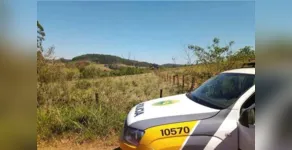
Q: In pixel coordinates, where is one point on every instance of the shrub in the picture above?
(81, 64)
(51, 72)
(127, 71)
(91, 71)
(71, 74)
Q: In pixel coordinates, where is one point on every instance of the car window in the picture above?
(222, 90)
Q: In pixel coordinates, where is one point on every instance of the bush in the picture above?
(127, 71)
(81, 64)
(51, 72)
(114, 66)
(92, 71)
(71, 74)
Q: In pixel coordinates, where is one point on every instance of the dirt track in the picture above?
(67, 145)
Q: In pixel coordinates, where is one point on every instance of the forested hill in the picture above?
(109, 59)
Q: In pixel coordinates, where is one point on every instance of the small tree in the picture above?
(214, 53)
(241, 56)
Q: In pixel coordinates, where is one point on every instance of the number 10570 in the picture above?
(175, 131)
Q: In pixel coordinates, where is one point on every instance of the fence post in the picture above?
(173, 80)
(177, 77)
(183, 81)
(160, 93)
(96, 98)
(166, 77)
(193, 83)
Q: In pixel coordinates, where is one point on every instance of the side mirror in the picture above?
(247, 117)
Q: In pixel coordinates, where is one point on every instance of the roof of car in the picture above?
(242, 70)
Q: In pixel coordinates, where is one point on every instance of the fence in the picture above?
(184, 82)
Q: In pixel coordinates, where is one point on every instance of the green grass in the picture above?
(69, 108)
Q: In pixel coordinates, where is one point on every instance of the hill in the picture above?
(172, 65)
(110, 59)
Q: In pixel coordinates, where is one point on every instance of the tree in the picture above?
(243, 54)
(246, 51)
(40, 36)
(214, 53)
(188, 56)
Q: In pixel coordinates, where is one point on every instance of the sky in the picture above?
(149, 31)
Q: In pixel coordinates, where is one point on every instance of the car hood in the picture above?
(178, 108)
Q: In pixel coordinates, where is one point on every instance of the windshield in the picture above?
(222, 90)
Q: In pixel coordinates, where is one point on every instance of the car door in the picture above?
(246, 125)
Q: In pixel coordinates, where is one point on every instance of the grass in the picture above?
(69, 108)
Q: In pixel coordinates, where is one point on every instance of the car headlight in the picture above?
(133, 136)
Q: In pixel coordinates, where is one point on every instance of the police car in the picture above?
(219, 114)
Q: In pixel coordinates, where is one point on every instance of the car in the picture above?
(219, 114)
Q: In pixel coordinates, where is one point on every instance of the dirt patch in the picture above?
(66, 144)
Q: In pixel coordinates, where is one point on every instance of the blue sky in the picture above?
(148, 31)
